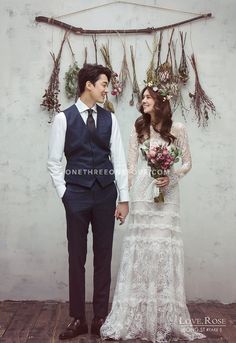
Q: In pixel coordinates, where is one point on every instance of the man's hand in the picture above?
(121, 211)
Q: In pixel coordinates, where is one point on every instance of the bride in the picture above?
(149, 300)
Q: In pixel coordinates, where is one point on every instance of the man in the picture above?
(89, 137)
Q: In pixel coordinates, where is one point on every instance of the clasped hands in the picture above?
(121, 211)
(122, 208)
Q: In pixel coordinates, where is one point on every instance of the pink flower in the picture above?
(152, 153)
(165, 151)
(114, 92)
(165, 166)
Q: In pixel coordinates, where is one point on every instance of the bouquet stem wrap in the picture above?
(158, 193)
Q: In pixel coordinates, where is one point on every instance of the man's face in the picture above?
(99, 90)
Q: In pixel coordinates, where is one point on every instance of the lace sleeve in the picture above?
(132, 156)
(182, 143)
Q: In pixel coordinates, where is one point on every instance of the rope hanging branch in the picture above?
(81, 31)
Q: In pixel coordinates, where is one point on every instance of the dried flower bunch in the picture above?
(115, 83)
(201, 102)
(183, 66)
(71, 78)
(124, 72)
(116, 87)
(135, 86)
(50, 97)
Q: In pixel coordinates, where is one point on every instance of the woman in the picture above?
(149, 300)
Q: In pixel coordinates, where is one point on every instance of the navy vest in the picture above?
(88, 154)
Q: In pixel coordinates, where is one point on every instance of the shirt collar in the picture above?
(82, 107)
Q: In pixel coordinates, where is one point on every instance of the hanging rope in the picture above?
(129, 3)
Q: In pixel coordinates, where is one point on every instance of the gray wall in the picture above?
(33, 248)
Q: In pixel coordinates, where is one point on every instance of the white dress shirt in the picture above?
(56, 151)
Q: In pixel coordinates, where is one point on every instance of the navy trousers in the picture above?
(83, 206)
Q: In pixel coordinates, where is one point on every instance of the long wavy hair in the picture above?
(163, 114)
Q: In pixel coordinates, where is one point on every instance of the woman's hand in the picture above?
(121, 211)
(162, 181)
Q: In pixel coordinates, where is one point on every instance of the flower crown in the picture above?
(167, 90)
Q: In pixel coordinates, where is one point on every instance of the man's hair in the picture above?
(91, 72)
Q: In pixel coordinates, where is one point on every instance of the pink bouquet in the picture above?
(160, 158)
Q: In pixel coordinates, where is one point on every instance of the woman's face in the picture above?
(148, 102)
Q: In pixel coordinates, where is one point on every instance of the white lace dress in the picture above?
(149, 300)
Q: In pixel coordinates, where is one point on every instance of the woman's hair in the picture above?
(91, 72)
(162, 114)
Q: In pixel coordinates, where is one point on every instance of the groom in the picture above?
(90, 138)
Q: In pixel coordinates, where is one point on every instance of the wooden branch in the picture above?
(81, 31)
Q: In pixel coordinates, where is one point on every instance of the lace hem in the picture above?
(149, 321)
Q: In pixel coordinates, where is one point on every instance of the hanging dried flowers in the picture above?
(178, 100)
(85, 55)
(201, 103)
(151, 72)
(135, 86)
(124, 72)
(50, 98)
(71, 77)
(159, 52)
(85, 62)
(95, 48)
(183, 66)
(108, 105)
(164, 71)
(115, 83)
